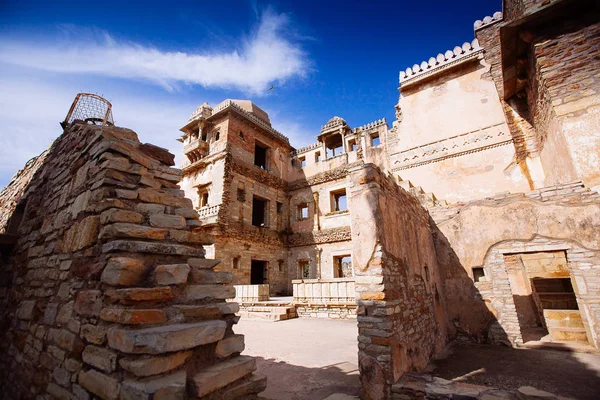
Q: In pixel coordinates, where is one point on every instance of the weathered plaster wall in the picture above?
(467, 233)
(107, 292)
(400, 313)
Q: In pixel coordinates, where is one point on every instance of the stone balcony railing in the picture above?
(210, 211)
(246, 293)
(324, 291)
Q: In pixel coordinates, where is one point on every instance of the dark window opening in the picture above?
(279, 207)
(333, 145)
(426, 270)
(259, 212)
(280, 265)
(317, 156)
(478, 274)
(258, 272)
(241, 135)
(236, 262)
(352, 145)
(375, 141)
(16, 218)
(554, 293)
(339, 200)
(260, 156)
(241, 195)
(217, 136)
(343, 266)
(204, 135)
(303, 269)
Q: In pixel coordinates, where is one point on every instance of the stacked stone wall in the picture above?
(107, 293)
(400, 312)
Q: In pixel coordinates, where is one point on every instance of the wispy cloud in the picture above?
(265, 56)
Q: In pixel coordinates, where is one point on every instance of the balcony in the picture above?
(196, 150)
(209, 212)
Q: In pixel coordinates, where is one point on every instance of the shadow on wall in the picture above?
(294, 382)
(471, 318)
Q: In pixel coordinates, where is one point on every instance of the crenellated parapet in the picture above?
(333, 124)
(305, 149)
(371, 125)
(487, 21)
(442, 62)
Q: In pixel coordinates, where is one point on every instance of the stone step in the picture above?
(264, 315)
(222, 374)
(568, 334)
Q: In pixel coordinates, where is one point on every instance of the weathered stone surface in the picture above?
(133, 316)
(137, 295)
(208, 276)
(203, 263)
(167, 221)
(93, 333)
(531, 393)
(166, 338)
(123, 271)
(58, 392)
(153, 248)
(154, 365)
(81, 235)
(88, 303)
(198, 292)
(118, 215)
(222, 374)
(101, 385)
(158, 197)
(125, 230)
(158, 153)
(65, 313)
(99, 357)
(169, 387)
(69, 341)
(249, 386)
(173, 274)
(229, 346)
(25, 310)
(50, 313)
(203, 312)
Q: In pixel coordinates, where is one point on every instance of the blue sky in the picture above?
(157, 60)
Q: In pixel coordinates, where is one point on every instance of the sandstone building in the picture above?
(474, 215)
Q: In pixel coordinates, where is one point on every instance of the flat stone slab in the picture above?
(165, 339)
(222, 374)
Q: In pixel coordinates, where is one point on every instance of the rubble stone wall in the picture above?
(400, 313)
(107, 293)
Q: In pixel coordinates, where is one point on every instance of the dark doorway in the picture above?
(258, 272)
(259, 208)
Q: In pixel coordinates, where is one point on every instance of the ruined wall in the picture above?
(400, 313)
(566, 215)
(107, 292)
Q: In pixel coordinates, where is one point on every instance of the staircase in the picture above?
(565, 325)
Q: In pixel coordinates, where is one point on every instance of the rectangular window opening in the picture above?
(352, 145)
(302, 211)
(279, 207)
(318, 156)
(260, 156)
(236, 262)
(241, 195)
(343, 266)
(303, 269)
(375, 141)
(280, 265)
(478, 274)
(259, 212)
(339, 201)
(302, 162)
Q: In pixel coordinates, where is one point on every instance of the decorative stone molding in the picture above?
(259, 175)
(471, 142)
(487, 21)
(305, 149)
(333, 123)
(331, 235)
(207, 212)
(442, 62)
(322, 177)
(371, 125)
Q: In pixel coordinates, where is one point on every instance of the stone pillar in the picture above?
(317, 220)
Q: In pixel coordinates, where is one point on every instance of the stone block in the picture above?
(169, 387)
(173, 274)
(199, 292)
(61, 376)
(222, 374)
(123, 271)
(100, 357)
(25, 310)
(152, 248)
(167, 221)
(101, 385)
(116, 215)
(65, 314)
(208, 311)
(50, 313)
(81, 235)
(88, 303)
(209, 276)
(80, 393)
(69, 341)
(148, 195)
(134, 231)
(93, 333)
(254, 384)
(166, 338)
(138, 295)
(203, 263)
(58, 392)
(229, 346)
(133, 316)
(531, 393)
(148, 366)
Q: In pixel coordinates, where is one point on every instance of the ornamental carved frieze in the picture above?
(257, 174)
(323, 177)
(331, 235)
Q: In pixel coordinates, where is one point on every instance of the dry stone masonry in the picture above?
(108, 293)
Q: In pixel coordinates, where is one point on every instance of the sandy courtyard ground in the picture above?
(304, 359)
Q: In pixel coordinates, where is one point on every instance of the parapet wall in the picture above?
(107, 292)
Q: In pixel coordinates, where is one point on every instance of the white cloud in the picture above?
(267, 55)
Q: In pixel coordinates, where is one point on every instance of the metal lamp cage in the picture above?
(91, 109)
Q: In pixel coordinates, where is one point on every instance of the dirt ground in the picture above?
(304, 359)
(565, 373)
